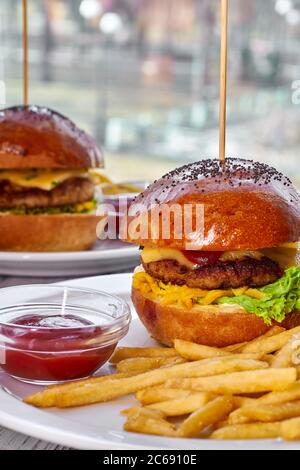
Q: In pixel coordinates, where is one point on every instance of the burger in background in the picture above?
(48, 175)
(242, 275)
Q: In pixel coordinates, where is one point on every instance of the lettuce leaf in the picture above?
(280, 298)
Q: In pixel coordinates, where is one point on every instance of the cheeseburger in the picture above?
(242, 274)
(48, 172)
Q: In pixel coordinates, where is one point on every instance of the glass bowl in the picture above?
(52, 334)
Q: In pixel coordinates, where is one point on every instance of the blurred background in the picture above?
(142, 76)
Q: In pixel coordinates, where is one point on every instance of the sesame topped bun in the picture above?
(247, 205)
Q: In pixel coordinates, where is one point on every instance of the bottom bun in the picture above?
(212, 325)
(54, 233)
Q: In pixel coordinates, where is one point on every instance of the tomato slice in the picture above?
(202, 258)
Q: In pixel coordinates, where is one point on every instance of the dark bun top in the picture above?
(247, 205)
(37, 137)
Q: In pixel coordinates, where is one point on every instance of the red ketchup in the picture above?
(53, 348)
(202, 258)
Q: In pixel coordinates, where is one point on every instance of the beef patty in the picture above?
(71, 191)
(220, 275)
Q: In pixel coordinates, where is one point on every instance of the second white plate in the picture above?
(109, 256)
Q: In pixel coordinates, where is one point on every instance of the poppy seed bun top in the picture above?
(38, 137)
(247, 206)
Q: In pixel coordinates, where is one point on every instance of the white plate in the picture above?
(99, 427)
(108, 256)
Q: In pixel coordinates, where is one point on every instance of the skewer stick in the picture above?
(25, 53)
(223, 79)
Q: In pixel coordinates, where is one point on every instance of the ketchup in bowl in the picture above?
(41, 343)
(51, 348)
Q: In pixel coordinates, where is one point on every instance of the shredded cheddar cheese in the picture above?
(170, 294)
(214, 295)
(239, 291)
(256, 294)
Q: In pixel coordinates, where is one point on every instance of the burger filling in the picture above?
(264, 282)
(219, 275)
(48, 192)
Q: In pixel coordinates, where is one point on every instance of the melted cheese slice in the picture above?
(49, 179)
(286, 256)
(41, 179)
(150, 255)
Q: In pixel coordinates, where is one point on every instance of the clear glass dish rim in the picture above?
(122, 320)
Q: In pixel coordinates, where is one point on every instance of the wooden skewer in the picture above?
(25, 53)
(223, 79)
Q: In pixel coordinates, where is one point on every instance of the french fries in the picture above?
(234, 347)
(275, 330)
(248, 431)
(244, 391)
(141, 422)
(143, 364)
(274, 398)
(283, 358)
(290, 429)
(127, 353)
(240, 382)
(270, 344)
(48, 397)
(110, 389)
(240, 402)
(195, 352)
(209, 414)
(159, 394)
(181, 406)
(269, 358)
(143, 425)
(269, 413)
(237, 417)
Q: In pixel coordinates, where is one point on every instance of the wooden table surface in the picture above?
(10, 440)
